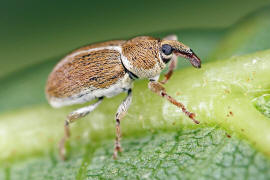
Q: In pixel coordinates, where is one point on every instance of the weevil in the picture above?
(106, 69)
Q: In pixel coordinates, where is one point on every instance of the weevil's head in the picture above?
(146, 57)
(170, 47)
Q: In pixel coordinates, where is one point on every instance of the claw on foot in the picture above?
(116, 150)
(192, 116)
(62, 149)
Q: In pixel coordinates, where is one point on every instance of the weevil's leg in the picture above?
(172, 66)
(73, 116)
(122, 109)
(173, 62)
(157, 88)
(61, 148)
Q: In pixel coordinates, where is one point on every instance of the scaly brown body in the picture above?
(107, 69)
(94, 70)
(99, 66)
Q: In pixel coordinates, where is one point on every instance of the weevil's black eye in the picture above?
(167, 49)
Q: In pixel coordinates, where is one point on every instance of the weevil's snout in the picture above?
(190, 55)
(194, 59)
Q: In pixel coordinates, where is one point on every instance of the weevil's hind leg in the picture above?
(73, 116)
(157, 88)
(61, 148)
(173, 62)
(122, 109)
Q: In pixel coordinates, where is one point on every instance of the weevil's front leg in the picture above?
(172, 66)
(157, 88)
(73, 116)
(173, 62)
(122, 109)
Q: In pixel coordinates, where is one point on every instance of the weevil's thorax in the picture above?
(142, 57)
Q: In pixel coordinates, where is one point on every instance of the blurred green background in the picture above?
(36, 34)
(33, 31)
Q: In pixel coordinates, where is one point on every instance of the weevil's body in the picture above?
(104, 70)
(107, 69)
(90, 74)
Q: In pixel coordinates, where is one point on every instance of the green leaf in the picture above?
(262, 103)
(204, 153)
(230, 98)
(221, 94)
